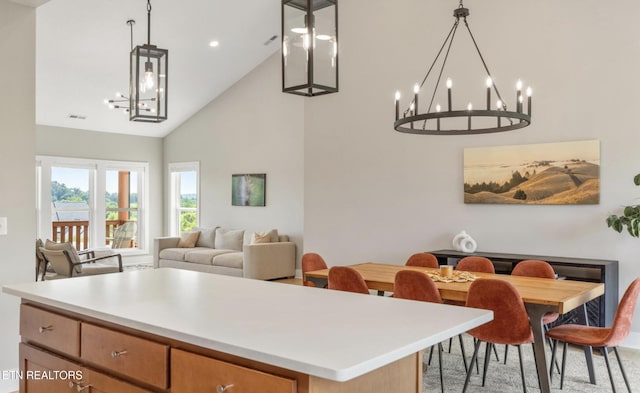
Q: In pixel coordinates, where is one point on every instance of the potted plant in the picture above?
(629, 219)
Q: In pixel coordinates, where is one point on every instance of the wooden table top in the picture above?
(564, 295)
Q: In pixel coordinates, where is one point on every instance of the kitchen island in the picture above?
(169, 330)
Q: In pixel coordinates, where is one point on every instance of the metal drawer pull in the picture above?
(78, 387)
(43, 329)
(116, 354)
(222, 388)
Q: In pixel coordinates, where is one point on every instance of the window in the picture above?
(184, 206)
(92, 203)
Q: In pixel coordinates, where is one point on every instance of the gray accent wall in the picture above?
(17, 151)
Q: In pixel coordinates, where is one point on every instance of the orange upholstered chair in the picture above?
(344, 278)
(510, 324)
(310, 262)
(476, 264)
(415, 285)
(423, 259)
(540, 269)
(600, 337)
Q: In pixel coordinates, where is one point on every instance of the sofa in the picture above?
(233, 252)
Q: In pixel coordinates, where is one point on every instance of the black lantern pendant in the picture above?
(148, 80)
(309, 47)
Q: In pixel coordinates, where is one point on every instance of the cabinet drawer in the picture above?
(134, 357)
(196, 373)
(50, 330)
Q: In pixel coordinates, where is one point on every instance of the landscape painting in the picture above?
(547, 174)
(248, 189)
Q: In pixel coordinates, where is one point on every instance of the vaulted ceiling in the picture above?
(83, 47)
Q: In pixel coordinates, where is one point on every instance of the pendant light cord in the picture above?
(148, 22)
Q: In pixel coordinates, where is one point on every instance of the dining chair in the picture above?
(540, 269)
(510, 324)
(415, 285)
(472, 264)
(600, 337)
(310, 262)
(476, 264)
(345, 278)
(423, 259)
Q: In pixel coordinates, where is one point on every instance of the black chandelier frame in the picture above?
(414, 122)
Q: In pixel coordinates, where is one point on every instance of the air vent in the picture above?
(78, 117)
(270, 40)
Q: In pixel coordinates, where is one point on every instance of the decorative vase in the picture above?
(464, 242)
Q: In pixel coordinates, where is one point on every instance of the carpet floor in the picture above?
(505, 378)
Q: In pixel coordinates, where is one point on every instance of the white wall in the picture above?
(17, 150)
(76, 143)
(251, 128)
(372, 194)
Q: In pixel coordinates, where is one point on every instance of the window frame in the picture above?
(174, 208)
(97, 205)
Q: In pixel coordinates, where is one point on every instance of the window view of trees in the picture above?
(61, 193)
(188, 218)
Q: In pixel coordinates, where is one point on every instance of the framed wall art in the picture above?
(249, 189)
(563, 173)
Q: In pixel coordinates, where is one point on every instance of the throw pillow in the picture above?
(188, 240)
(259, 238)
(207, 237)
(229, 239)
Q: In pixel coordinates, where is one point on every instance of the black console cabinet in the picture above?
(600, 310)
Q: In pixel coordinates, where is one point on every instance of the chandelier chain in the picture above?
(148, 22)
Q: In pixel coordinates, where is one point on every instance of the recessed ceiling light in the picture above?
(214, 44)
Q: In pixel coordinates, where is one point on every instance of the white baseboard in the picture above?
(632, 341)
(7, 383)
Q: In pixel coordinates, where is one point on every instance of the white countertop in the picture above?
(329, 334)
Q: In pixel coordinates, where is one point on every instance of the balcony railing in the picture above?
(77, 232)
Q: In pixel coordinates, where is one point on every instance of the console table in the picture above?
(600, 311)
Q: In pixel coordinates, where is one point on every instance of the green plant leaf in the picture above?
(611, 219)
(617, 226)
(636, 179)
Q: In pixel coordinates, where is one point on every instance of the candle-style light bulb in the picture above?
(489, 84)
(449, 84)
(412, 107)
(416, 90)
(499, 104)
(519, 96)
(437, 107)
(469, 107)
(529, 93)
(438, 119)
(397, 105)
(397, 95)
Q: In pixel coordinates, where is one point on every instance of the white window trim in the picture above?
(98, 185)
(174, 193)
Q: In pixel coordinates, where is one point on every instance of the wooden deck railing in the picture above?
(77, 232)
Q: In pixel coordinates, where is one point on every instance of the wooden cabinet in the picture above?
(50, 330)
(143, 360)
(196, 373)
(45, 372)
(600, 311)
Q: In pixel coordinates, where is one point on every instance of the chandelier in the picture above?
(122, 101)
(148, 80)
(438, 120)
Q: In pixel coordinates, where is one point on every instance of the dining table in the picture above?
(540, 296)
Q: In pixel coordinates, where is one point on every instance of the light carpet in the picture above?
(505, 378)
